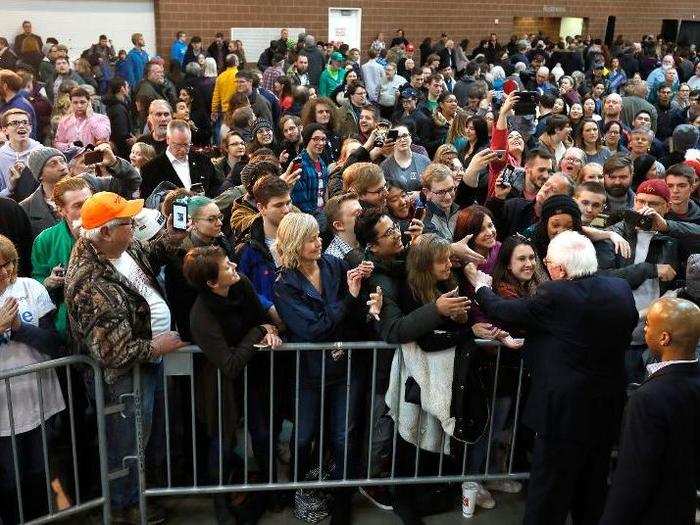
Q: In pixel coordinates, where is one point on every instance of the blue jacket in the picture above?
(312, 317)
(177, 51)
(257, 264)
(136, 61)
(305, 191)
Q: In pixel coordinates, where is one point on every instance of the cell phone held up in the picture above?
(296, 163)
(180, 218)
(418, 213)
(527, 102)
(94, 157)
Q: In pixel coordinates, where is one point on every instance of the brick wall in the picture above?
(418, 18)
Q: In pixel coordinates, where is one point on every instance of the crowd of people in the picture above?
(540, 195)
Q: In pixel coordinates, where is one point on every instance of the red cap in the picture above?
(656, 187)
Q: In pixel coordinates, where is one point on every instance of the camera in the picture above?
(527, 102)
(634, 219)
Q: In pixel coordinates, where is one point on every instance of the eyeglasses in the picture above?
(392, 231)
(212, 219)
(319, 139)
(180, 146)
(18, 123)
(383, 189)
(127, 222)
(444, 192)
(574, 159)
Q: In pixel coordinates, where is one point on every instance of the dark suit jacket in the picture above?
(658, 467)
(577, 334)
(160, 169)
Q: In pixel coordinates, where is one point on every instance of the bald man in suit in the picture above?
(658, 468)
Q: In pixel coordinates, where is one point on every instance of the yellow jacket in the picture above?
(224, 89)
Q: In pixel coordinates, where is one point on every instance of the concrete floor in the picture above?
(509, 511)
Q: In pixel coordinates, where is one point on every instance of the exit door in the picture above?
(345, 25)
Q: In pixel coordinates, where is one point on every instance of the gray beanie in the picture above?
(39, 157)
(685, 136)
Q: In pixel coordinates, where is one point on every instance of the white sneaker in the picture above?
(509, 486)
(484, 499)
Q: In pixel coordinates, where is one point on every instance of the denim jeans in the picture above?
(121, 430)
(335, 399)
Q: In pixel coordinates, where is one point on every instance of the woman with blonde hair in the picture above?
(317, 298)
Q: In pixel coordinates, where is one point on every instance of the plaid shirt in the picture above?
(271, 74)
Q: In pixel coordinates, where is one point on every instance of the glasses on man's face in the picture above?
(178, 145)
(446, 191)
(212, 218)
(18, 123)
(383, 189)
(391, 231)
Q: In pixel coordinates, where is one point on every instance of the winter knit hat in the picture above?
(261, 123)
(557, 204)
(39, 157)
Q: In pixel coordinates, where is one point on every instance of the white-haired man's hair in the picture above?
(573, 252)
(95, 234)
(178, 125)
(615, 96)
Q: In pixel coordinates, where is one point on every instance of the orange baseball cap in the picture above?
(104, 206)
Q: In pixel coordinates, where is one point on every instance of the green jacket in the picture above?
(51, 248)
(328, 81)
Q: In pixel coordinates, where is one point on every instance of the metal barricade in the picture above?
(40, 372)
(181, 363)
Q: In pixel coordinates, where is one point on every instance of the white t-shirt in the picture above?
(34, 303)
(160, 312)
(647, 292)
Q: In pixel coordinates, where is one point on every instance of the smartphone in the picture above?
(418, 213)
(296, 163)
(392, 135)
(94, 157)
(180, 215)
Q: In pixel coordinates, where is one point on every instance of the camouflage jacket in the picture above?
(109, 320)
